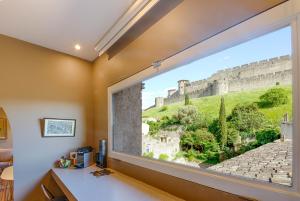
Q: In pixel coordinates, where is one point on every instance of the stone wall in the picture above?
(127, 120)
(255, 75)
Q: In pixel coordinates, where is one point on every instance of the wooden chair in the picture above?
(6, 190)
(6, 159)
(50, 197)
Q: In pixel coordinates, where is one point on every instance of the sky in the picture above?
(271, 45)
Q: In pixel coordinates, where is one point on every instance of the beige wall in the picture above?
(187, 24)
(36, 83)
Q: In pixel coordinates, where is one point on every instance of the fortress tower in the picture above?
(159, 101)
(181, 86)
(171, 92)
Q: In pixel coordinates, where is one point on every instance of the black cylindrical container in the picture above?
(102, 160)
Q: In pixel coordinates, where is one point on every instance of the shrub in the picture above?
(154, 127)
(148, 155)
(212, 157)
(233, 137)
(168, 121)
(247, 118)
(274, 97)
(163, 157)
(186, 115)
(228, 153)
(199, 123)
(267, 135)
(200, 140)
(163, 108)
(214, 128)
(248, 147)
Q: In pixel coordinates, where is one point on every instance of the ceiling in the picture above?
(60, 24)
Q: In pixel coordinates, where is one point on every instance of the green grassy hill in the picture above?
(209, 106)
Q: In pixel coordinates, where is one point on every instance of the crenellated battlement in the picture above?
(260, 74)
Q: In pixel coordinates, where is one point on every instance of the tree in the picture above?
(187, 99)
(222, 123)
(274, 97)
(247, 119)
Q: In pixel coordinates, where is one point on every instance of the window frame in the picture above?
(286, 14)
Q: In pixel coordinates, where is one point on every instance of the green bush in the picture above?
(163, 108)
(267, 135)
(154, 127)
(248, 147)
(274, 97)
(214, 128)
(148, 155)
(200, 145)
(233, 137)
(163, 123)
(228, 153)
(212, 157)
(200, 140)
(201, 122)
(233, 133)
(186, 115)
(247, 118)
(163, 157)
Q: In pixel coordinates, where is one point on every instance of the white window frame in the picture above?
(286, 14)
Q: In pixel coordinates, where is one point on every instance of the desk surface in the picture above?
(79, 184)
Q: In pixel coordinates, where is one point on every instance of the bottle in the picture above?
(102, 158)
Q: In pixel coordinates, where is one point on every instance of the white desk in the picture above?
(79, 184)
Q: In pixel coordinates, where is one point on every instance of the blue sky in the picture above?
(274, 44)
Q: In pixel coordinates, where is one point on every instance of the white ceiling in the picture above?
(60, 24)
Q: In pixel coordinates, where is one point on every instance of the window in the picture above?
(228, 110)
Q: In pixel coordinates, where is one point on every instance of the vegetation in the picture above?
(209, 106)
(274, 97)
(267, 135)
(200, 145)
(148, 155)
(187, 99)
(247, 119)
(222, 124)
(163, 108)
(163, 157)
(209, 136)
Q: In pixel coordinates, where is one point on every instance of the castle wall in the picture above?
(261, 81)
(262, 74)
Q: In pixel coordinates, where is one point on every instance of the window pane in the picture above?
(230, 112)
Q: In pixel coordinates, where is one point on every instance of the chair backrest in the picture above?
(47, 193)
(5, 155)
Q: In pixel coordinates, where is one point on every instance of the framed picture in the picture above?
(59, 127)
(3, 128)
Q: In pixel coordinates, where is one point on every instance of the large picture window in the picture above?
(222, 113)
(230, 112)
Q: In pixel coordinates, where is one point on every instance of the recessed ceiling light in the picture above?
(77, 47)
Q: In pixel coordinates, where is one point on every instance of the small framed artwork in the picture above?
(3, 128)
(59, 127)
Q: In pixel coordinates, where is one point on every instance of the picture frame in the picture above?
(3, 128)
(55, 127)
